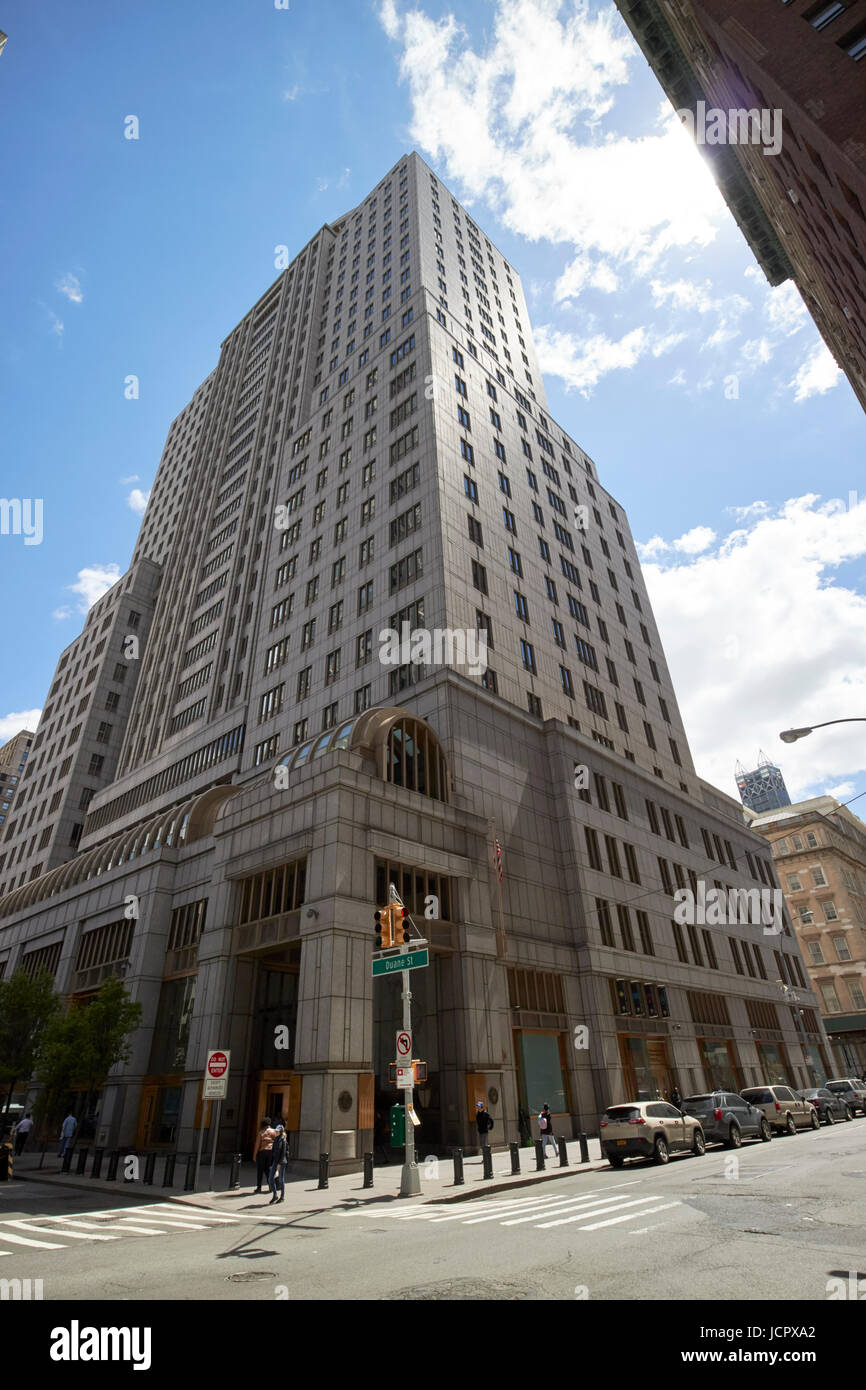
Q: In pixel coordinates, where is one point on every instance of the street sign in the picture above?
(409, 960)
(216, 1075)
(405, 1078)
(404, 1046)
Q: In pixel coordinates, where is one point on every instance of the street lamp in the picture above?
(791, 735)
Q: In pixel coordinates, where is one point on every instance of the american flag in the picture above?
(498, 859)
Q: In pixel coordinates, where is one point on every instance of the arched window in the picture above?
(413, 759)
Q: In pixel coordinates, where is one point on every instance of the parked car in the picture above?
(852, 1089)
(786, 1112)
(726, 1118)
(648, 1129)
(830, 1107)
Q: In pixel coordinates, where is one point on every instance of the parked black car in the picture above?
(830, 1107)
(727, 1118)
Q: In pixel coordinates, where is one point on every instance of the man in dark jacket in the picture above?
(484, 1123)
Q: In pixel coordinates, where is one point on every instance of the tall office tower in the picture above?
(763, 789)
(374, 455)
(802, 208)
(13, 763)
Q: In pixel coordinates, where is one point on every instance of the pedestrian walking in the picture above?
(22, 1129)
(67, 1130)
(545, 1124)
(484, 1124)
(262, 1150)
(276, 1177)
(676, 1099)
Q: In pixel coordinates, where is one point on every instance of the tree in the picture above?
(27, 1006)
(80, 1046)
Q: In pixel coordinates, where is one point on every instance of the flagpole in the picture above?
(501, 946)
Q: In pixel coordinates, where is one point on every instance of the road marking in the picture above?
(573, 1205)
(616, 1219)
(142, 1230)
(40, 1230)
(22, 1240)
(582, 1215)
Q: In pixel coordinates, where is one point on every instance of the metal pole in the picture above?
(204, 1103)
(368, 1170)
(584, 1147)
(410, 1183)
(216, 1130)
(515, 1157)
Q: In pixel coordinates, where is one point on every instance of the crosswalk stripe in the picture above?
(648, 1211)
(143, 1230)
(22, 1240)
(534, 1204)
(582, 1215)
(40, 1230)
(573, 1205)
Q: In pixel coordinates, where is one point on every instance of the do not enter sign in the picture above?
(216, 1075)
(217, 1063)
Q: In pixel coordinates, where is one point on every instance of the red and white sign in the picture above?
(216, 1075)
(404, 1046)
(405, 1078)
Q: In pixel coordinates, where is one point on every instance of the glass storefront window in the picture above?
(171, 1034)
(817, 1074)
(775, 1073)
(718, 1070)
(541, 1079)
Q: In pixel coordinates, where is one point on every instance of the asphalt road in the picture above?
(769, 1222)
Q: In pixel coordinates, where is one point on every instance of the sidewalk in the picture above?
(302, 1192)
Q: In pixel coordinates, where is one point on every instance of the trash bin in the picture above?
(6, 1152)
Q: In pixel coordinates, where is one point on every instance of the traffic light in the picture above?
(399, 927)
(384, 928)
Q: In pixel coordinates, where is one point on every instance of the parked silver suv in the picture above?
(852, 1089)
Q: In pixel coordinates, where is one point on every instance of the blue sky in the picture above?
(706, 399)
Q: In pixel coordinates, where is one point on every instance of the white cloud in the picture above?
(62, 613)
(137, 501)
(92, 582)
(817, 375)
(70, 285)
(841, 791)
(694, 541)
(545, 166)
(751, 509)
(733, 622)
(755, 351)
(133, 478)
(292, 93)
(581, 363)
(785, 309)
(56, 325)
(12, 724)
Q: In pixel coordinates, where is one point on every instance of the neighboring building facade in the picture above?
(763, 789)
(819, 849)
(13, 762)
(373, 450)
(803, 209)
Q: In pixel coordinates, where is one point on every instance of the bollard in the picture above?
(563, 1152)
(457, 1155)
(82, 1159)
(149, 1167)
(324, 1165)
(67, 1161)
(113, 1160)
(515, 1157)
(189, 1179)
(539, 1156)
(235, 1178)
(168, 1171)
(96, 1170)
(584, 1148)
(368, 1170)
(42, 1155)
(487, 1161)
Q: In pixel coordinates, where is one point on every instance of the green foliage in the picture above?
(27, 1008)
(80, 1046)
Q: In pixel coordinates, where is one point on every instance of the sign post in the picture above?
(216, 1081)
